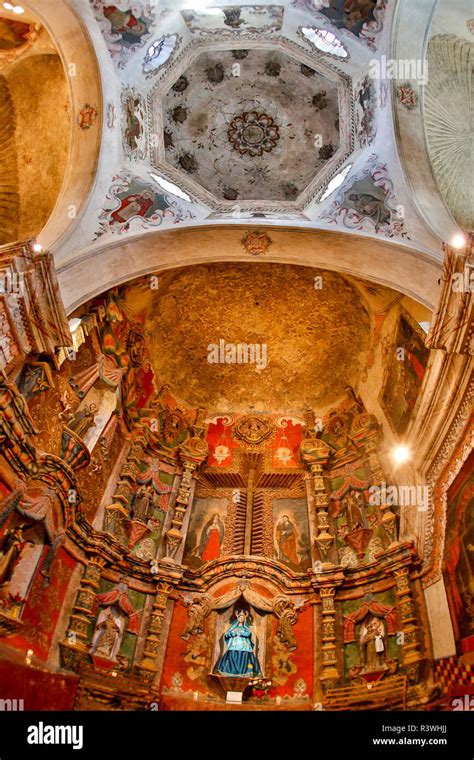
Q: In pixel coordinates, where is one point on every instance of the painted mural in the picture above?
(283, 444)
(287, 441)
(133, 125)
(369, 203)
(458, 563)
(206, 531)
(220, 441)
(361, 18)
(133, 204)
(365, 108)
(252, 19)
(291, 533)
(126, 27)
(406, 366)
(243, 136)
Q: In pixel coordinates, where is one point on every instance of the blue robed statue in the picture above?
(239, 658)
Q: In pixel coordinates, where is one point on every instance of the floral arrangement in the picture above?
(260, 687)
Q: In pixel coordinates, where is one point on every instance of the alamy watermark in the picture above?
(404, 496)
(463, 282)
(464, 703)
(12, 283)
(237, 353)
(393, 68)
(46, 734)
(12, 705)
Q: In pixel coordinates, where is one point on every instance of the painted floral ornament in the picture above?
(253, 134)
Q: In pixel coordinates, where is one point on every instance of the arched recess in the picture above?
(398, 267)
(409, 45)
(78, 57)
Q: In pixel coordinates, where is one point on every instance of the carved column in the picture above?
(148, 668)
(452, 320)
(329, 672)
(76, 645)
(411, 646)
(315, 453)
(128, 474)
(192, 453)
(32, 317)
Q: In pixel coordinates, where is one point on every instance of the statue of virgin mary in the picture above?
(239, 658)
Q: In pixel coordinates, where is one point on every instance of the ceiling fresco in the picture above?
(230, 19)
(233, 124)
(361, 18)
(229, 114)
(303, 361)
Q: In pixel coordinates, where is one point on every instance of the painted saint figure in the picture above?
(239, 658)
(137, 204)
(372, 207)
(131, 28)
(286, 540)
(211, 539)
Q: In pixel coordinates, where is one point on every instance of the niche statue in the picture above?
(239, 658)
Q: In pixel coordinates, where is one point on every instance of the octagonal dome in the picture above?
(252, 127)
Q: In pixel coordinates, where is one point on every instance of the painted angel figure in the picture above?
(239, 658)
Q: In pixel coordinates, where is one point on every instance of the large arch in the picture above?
(411, 32)
(85, 89)
(398, 267)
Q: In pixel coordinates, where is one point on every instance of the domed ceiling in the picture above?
(252, 124)
(313, 326)
(233, 113)
(450, 122)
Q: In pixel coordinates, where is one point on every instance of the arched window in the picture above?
(159, 52)
(325, 41)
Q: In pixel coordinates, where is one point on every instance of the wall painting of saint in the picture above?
(206, 531)
(405, 371)
(291, 533)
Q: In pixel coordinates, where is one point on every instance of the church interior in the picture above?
(236, 276)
